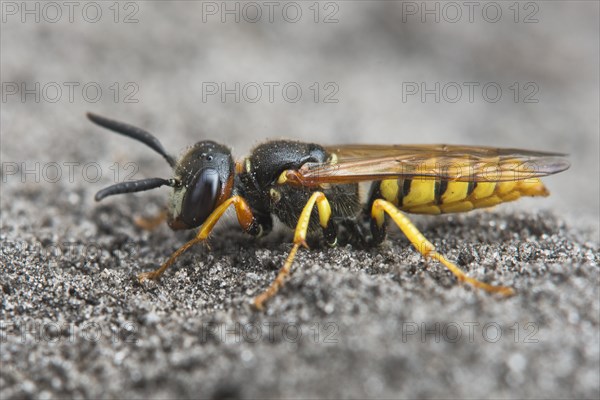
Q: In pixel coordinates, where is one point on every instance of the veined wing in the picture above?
(356, 163)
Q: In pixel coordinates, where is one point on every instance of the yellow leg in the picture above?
(425, 247)
(150, 223)
(299, 240)
(245, 218)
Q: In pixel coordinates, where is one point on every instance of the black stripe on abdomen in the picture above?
(439, 190)
(404, 189)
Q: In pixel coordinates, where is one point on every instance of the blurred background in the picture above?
(508, 74)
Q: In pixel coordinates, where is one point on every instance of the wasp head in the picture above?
(204, 177)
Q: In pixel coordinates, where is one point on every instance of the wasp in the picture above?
(313, 188)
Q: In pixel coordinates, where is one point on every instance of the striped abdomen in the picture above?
(428, 196)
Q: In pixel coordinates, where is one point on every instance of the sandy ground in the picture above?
(352, 323)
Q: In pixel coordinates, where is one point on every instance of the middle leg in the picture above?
(300, 232)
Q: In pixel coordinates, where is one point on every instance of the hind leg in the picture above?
(425, 247)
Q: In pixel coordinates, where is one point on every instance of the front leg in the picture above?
(246, 220)
(151, 223)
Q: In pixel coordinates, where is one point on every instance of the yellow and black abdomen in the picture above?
(430, 196)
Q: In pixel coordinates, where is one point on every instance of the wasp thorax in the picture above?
(269, 160)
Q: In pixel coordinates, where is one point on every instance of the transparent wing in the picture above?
(355, 163)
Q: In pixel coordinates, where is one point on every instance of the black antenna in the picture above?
(134, 186)
(133, 132)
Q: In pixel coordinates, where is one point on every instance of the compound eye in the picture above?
(201, 197)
